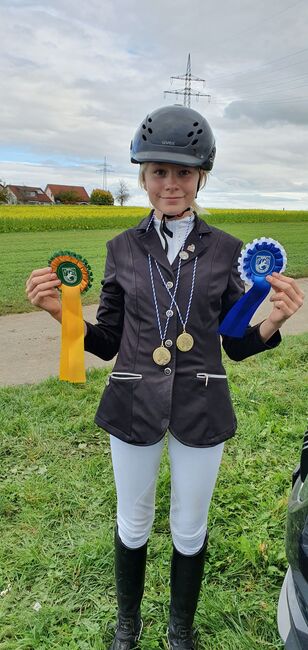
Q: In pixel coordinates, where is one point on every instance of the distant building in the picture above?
(53, 191)
(27, 195)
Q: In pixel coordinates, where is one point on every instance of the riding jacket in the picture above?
(189, 395)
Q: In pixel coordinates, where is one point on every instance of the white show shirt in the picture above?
(180, 230)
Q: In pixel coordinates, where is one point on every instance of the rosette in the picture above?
(257, 260)
(72, 269)
(76, 276)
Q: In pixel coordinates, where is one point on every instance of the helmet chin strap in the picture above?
(163, 228)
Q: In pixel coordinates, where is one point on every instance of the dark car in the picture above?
(293, 601)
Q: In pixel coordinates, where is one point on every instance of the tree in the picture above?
(4, 192)
(122, 194)
(101, 197)
(67, 196)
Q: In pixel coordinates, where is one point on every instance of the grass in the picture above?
(20, 253)
(58, 507)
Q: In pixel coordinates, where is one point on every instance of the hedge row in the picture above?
(41, 218)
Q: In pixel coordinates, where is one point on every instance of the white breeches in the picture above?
(193, 476)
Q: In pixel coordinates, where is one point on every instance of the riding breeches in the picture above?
(193, 476)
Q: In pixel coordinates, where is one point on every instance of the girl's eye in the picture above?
(159, 172)
(185, 172)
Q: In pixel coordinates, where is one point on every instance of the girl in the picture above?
(168, 284)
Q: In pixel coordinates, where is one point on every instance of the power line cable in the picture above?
(293, 100)
(266, 73)
(274, 90)
(268, 18)
(264, 65)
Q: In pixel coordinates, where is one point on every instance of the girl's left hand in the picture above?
(287, 298)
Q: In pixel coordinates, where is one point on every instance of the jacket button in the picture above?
(168, 343)
(167, 371)
(169, 284)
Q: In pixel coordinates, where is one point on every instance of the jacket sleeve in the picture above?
(103, 339)
(251, 343)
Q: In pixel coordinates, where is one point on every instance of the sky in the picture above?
(78, 78)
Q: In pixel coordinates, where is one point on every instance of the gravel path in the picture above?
(30, 343)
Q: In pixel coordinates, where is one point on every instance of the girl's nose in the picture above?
(171, 180)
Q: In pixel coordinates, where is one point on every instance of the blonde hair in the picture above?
(202, 182)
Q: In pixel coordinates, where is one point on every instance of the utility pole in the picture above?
(103, 170)
(186, 91)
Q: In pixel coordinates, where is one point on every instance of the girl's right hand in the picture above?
(41, 290)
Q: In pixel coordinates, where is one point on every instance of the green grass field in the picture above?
(21, 252)
(57, 505)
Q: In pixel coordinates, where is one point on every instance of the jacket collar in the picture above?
(149, 239)
(200, 225)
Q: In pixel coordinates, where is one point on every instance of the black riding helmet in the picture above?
(174, 134)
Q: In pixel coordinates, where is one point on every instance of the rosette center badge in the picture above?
(262, 264)
(69, 274)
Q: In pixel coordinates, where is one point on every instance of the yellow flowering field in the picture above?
(22, 218)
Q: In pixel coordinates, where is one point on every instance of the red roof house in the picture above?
(25, 194)
(54, 190)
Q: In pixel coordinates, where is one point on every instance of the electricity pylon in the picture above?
(103, 170)
(186, 91)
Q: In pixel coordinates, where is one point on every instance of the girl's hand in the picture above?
(41, 289)
(287, 298)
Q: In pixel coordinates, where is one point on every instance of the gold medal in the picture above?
(184, 342)
(161, 356)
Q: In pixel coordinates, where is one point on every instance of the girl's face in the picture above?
(171, 188)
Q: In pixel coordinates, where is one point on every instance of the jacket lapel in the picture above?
(150, 241)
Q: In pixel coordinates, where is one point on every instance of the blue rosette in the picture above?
(257, 260)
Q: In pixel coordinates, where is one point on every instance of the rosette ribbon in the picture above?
(76, 276)
(257, 260)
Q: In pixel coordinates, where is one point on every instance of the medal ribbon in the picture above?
(161, 333)
(184, 323)
(72, 366)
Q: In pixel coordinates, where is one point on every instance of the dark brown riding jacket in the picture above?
(189, 396)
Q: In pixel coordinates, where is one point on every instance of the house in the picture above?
(27, 195)
(53, 191)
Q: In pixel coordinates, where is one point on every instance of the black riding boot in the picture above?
(186, 578)
(129, 574)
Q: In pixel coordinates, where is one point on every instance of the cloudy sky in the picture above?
(78, 78)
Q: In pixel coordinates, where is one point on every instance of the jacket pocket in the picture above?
(217, 400)
(115, 407)
(123, 376)
(205, 376)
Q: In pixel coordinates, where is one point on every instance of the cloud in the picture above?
(269, 113)
(79, 78)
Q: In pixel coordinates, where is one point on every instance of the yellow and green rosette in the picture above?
(76, 277)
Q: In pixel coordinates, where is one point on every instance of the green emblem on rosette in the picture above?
(71, 269)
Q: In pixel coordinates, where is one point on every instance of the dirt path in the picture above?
(30, 343)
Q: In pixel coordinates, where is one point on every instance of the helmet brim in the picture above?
(170, 157)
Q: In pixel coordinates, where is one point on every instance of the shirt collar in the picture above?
(201, 226)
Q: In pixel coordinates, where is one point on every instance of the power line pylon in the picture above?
(186, 91)
(103, 170)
